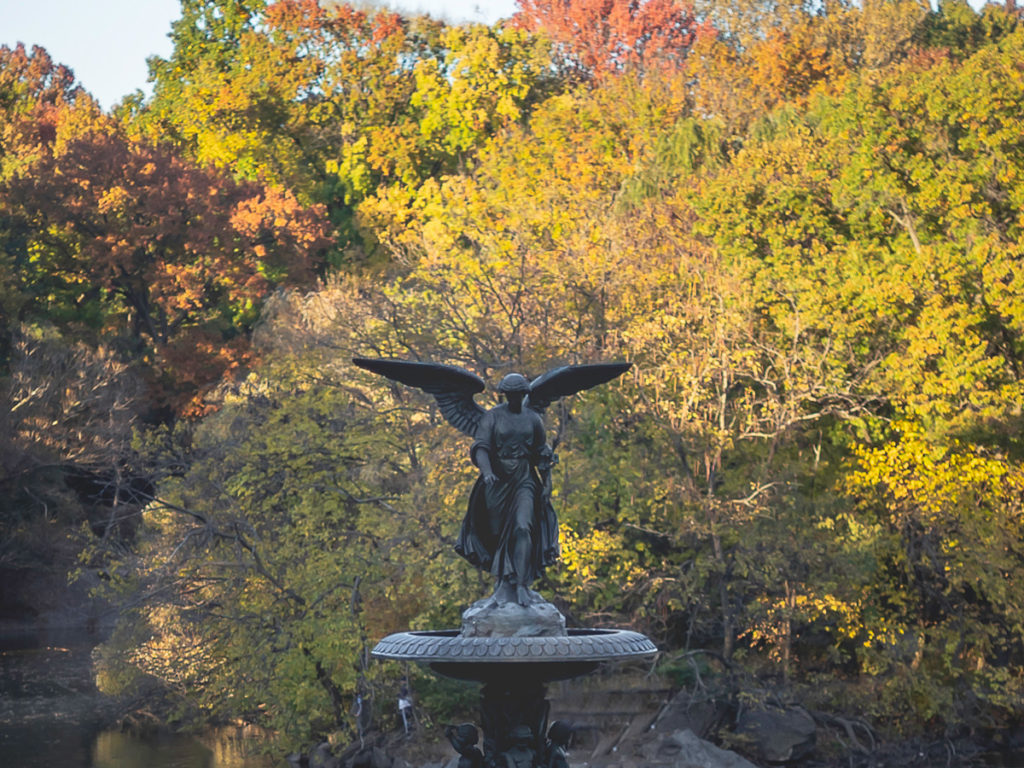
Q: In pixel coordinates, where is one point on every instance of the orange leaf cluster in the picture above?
(602, 36)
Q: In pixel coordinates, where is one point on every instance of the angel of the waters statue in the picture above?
(510, 529)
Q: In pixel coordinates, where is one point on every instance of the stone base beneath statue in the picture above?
(492, 617)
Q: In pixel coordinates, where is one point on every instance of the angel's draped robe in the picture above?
(510, 528)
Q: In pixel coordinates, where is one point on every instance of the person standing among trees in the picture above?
(405, 705)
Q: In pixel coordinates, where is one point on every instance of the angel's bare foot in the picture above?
(503, 593)
(522, 595)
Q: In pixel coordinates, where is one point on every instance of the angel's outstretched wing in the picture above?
(570, 379)
(452, 387)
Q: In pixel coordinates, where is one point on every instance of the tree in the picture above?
(932, 173)
(316, 99)
(599, 37)
(938, 624)
(489, 79)
(33, 90)
(67, 469)
(767, 55)
(817, 456)
(861, 227)
(177, 255)
(290, 528)
(39, 100)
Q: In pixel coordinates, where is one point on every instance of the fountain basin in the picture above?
(541, 659)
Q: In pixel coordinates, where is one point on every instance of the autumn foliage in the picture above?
(802, 225)
(597, 37)
(166, 249)
(33, 91)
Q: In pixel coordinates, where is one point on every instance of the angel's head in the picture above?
(515, 387)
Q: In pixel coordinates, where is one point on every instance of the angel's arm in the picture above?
(483, 461)
(539, 443)
(480, 451)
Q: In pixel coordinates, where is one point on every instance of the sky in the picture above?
(107, 42)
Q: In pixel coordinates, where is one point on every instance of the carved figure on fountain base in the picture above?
(464, 738)
(556, 752)
(513, 711)
(521, 754)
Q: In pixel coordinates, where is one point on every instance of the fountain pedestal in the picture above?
(514, 665)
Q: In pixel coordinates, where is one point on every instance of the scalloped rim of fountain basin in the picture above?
(578, 645)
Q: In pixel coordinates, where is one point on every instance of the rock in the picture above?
(323, 758)
(361, 759)
(779, 736)
(685, 750)
(683, 713)
(486, 618)
(378, 759)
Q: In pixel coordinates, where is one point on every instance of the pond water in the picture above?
(52, 715)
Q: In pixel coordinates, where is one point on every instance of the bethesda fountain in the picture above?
(514, 642)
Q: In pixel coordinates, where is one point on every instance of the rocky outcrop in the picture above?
(628, 719)
(683, 749)
(779, 735)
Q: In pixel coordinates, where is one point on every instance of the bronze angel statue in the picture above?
(510, 529)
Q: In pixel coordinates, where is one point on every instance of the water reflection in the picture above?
(121, 750)
(113, 749)
(238, 748)
(52, 715)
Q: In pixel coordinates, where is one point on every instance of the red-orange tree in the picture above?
(177, 255)
(596, 37)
